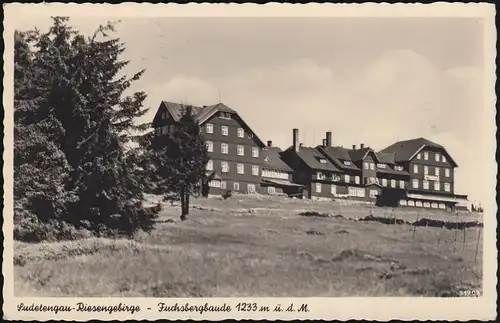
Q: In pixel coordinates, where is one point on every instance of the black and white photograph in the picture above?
(261, 159)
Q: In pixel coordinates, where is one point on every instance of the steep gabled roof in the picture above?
(272, 159)
(201, 114)
(385, 158)
(407, 149)
(338, 155)
(312, 156)
(359, 154)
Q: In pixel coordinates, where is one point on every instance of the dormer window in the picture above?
(267, 159)
(320, 175)
(398, 168)
(322, 161)
(225, 115)
(346, 162)
(381, 165)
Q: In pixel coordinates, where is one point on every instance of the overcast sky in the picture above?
(368, 80)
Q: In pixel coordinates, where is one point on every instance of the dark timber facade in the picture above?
(411, 173)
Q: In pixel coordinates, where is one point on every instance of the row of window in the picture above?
(274, 174)
(437, 185)
(353, 191)
(426, 170)
(433, 205)
(225, 131)
(224, 149)
(437, 156)
(236, 186)
(384, 182)
(240, 168)
(371, 166)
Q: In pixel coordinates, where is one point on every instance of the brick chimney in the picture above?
(269, 143)
(362, 146)
(329, 139)
(296, 139)
(353, 147)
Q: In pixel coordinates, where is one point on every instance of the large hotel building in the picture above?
(409, 173)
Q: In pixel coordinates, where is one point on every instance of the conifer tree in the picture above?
(78, 87)
(177, 161)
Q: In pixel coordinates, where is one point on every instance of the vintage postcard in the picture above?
(244, 161)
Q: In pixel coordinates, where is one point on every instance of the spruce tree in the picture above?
(79, 90)
(177, 161)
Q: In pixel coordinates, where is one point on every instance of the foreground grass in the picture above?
(258, 247)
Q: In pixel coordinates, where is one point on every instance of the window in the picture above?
(403, 202)
(214, 184)
(320, 175)
(223, 148)
(442, 206)
(164, 130)
(255, 170)
(271, 190)
(373, 194)
(225, 130)
(241, 133)
(333, 189)
(393, 183)
(419, 156)
(384, 182)
(251, 188)
(436, 171)
(437, 157)
(225, 115)
(401, 184)
(447, 172)
(426, 155)
(318, 187)
(347, 179)
(443, 159)
(210, 165)
(418, 203)
(225, 167)
(240, 169)
(427, 204)
(164, 115)
(236, 186)
(426, 170)
(381, 165)
(356, 179)
(158, 131)
(372, 166)
(425, 185)
(398, 168)
(210, 128)
(210, 146)
(437, 186)
(411, 203)
(223, 185)
(346, 162)
(415, 183)
(447, 187)
(255, 152)
(240, 150)
(366, 165)
(360, 192)
(415, 169)
(322, 161)
(250, 135)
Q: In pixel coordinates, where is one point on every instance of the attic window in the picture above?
(250, 135)
(346, 162)
(381, 165)
(322, 160)
(267, 159)
(398, 168)
(164, 115)
(225, 115)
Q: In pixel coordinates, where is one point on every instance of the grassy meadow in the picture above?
(261, 246)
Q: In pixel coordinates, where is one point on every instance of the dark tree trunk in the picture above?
(184, 204)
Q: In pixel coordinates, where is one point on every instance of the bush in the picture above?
(227, 194)
(32, 231)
